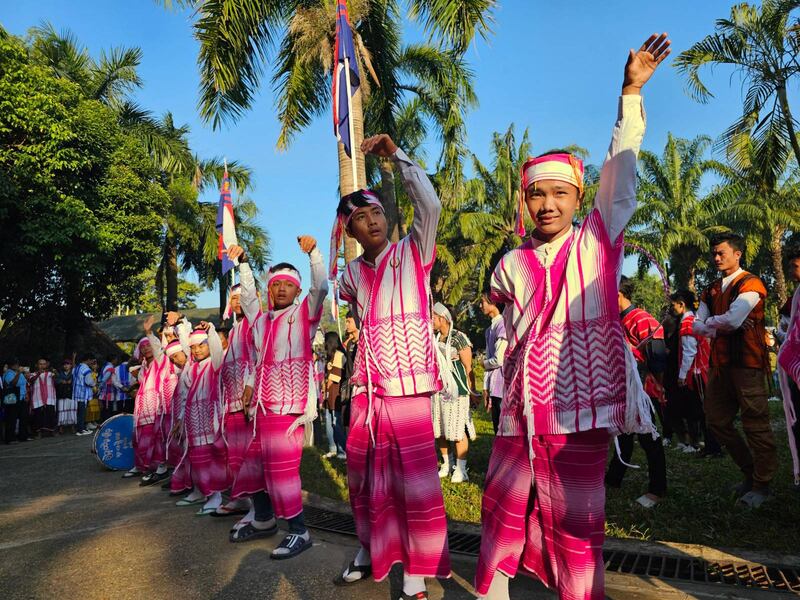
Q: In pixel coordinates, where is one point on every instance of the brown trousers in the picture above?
(733, 390)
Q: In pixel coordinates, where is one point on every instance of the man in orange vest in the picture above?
(731, 313)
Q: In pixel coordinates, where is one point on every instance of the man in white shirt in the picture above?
(731, 313)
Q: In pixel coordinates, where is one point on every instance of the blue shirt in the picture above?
(22, 383)
(83, 383)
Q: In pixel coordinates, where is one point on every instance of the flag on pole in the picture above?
(345, 54)
(226, 226)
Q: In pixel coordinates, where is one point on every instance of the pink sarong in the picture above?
(170, 449)
(238, 434)
(202, 467)
(395, 492)
(272, 464)
(554, 520)
(145, 448)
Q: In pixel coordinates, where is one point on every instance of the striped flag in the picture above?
(226, 226)
(344, 49)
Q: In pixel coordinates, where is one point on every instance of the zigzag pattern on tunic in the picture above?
(284, 379)
(406, 360)
(146, 407)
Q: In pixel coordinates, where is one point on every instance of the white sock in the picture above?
(461, 463)
(413, 584)
(194, 495)
(162, 468)
(499, 588)
(362, 559)
(268, 524)
(213, 501)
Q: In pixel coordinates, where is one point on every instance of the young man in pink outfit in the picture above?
(392, 468)
(570, 380)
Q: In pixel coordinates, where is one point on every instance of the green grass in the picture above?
(697, 510)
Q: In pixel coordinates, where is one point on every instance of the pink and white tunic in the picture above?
(238, 363)
(284, 369)
(789, 368)
(145, 409)
(42, 390)
(567, 367)
(202, 410)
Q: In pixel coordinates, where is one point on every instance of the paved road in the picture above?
(71, 529)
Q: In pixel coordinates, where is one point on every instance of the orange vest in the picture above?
(743, 347)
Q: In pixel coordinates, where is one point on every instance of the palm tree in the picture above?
(762, 197)
(475, 235)
(762, 45)
(110, 80)
(674, 221)
(237, 38)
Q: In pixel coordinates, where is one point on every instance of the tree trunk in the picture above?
(787, 116)
(346, 183)
(389, 199)
(776, 253)
(171, 272)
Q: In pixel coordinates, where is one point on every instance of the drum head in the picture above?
(113, 443)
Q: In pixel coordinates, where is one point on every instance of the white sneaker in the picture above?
(689, 449)
(444, 470)
(681, 447)
(329, 454)
(341, 456)
(459, 476)
(91, 427)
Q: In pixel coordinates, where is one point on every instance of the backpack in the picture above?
(9, 393)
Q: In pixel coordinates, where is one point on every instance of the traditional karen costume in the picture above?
(145, 412)
(496, 344)
(67, 405)
(237, 369)
(43, 402)
(570, 381)
(108, 392)
(285, 396)
(392, 466)
(203, 465)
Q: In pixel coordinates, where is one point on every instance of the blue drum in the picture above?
(113, 443)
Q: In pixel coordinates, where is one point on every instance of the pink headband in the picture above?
(173, 348)
(558, 167)
(343, 221)
(137, 353)
(236, 290)
(198, 336)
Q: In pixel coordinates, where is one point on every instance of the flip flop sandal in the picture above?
(153, 479)
(180, 492)
(185, 502)
(203, 512)
(223, 512)
(295, 544)
(248, 532)
(365, 570)
(147, 479)
(238, 525)
(130, 474)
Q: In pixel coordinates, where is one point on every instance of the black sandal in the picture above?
(365, 570)
(248, 532)
(154, 478)
(295, 543)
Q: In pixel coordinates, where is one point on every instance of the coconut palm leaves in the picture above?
(762, 45)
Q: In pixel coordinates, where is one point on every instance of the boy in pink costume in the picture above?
(570, 379)
(284, 397)
(789, 367)
(392, 467)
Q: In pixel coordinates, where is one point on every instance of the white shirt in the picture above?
(731, 320)
(688, 350)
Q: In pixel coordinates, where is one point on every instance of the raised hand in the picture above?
(643, 63)
(307, 243)
(173, 317)
(379, 145)
(148, 324)
(235, 252)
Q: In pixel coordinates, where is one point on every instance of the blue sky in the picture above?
(553, 67)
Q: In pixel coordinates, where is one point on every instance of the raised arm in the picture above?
(214, 346)
(419, 188)
(319, 279)
(251, 305)
(616, 196)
